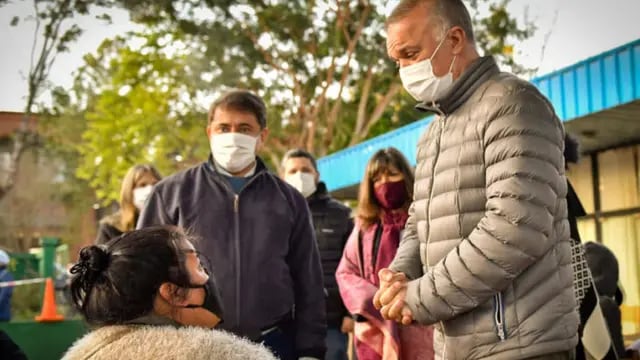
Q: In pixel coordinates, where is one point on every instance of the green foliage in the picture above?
(321, 67)
(26, 302)
(137, 109)
(501, 31)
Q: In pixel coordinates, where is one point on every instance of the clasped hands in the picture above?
(390, 298)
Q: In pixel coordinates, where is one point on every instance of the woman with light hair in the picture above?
(136, 188)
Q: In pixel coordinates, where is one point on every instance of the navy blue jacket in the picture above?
(261, 246)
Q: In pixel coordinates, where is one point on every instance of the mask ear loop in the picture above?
(449, 72)
(433, 103)
(439, 46)
(453, 62)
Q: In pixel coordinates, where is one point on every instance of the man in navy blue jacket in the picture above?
(254, 228)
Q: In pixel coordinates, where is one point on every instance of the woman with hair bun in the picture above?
(149, 296)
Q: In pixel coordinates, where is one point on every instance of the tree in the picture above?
(53, 34)
(321, 67)
(135, 106)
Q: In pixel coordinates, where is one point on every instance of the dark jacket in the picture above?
(108, 228)
(333, 224)
(575, 210)
(604, 269)
(9, 349)
(261, 246)
(5, 295)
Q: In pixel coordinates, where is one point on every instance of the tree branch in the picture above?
(364, 100)
(333, 115)
(320, 101)
(377, 113)
(269, 59)
(38, 72)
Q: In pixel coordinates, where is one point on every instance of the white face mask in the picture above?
(140, 196)
(303, 182)
(420, 81)
(233, 151)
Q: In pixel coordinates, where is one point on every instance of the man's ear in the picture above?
(169, 293)
(458, 40)
(208, 130)
(264, 134)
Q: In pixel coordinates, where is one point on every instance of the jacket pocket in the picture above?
(498, 316)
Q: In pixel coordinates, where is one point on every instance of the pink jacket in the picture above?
(357, 276)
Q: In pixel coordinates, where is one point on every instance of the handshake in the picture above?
(390, 298)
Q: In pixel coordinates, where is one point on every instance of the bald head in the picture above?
(444, 14)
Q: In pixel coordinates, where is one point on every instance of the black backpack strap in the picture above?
(376, 244)
(360, 252)
(377, 237)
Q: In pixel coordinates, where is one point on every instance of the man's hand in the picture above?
(390, 298)
(394, 306)
(347, 325)
(387, 278)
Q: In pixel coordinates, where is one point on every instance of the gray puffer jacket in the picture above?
(487, 241)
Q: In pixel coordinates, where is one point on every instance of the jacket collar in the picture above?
(321, 194)
(153, 319)
(211, 165)
(478, 72)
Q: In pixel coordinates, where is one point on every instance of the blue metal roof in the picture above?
(589, 86)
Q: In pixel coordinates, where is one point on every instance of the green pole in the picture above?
(47, 266)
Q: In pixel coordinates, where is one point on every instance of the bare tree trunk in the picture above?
(346, 71)
(364, 100)
(38, 72)
(376, 115)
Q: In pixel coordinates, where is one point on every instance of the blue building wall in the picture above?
(598, 83)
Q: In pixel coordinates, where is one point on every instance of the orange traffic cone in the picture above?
(49, 311)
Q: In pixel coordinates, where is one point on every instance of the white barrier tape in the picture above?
(22, 282)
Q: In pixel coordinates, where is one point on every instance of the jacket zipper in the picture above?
(499, 317)
(433, 172)
(236, 225)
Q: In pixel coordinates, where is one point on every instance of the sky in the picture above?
(568, 30)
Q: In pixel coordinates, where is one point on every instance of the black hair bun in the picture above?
(95, 258)
(93, 261)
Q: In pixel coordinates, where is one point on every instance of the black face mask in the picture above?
(212, 299)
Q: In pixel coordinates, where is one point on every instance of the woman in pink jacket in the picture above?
(385, 195)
